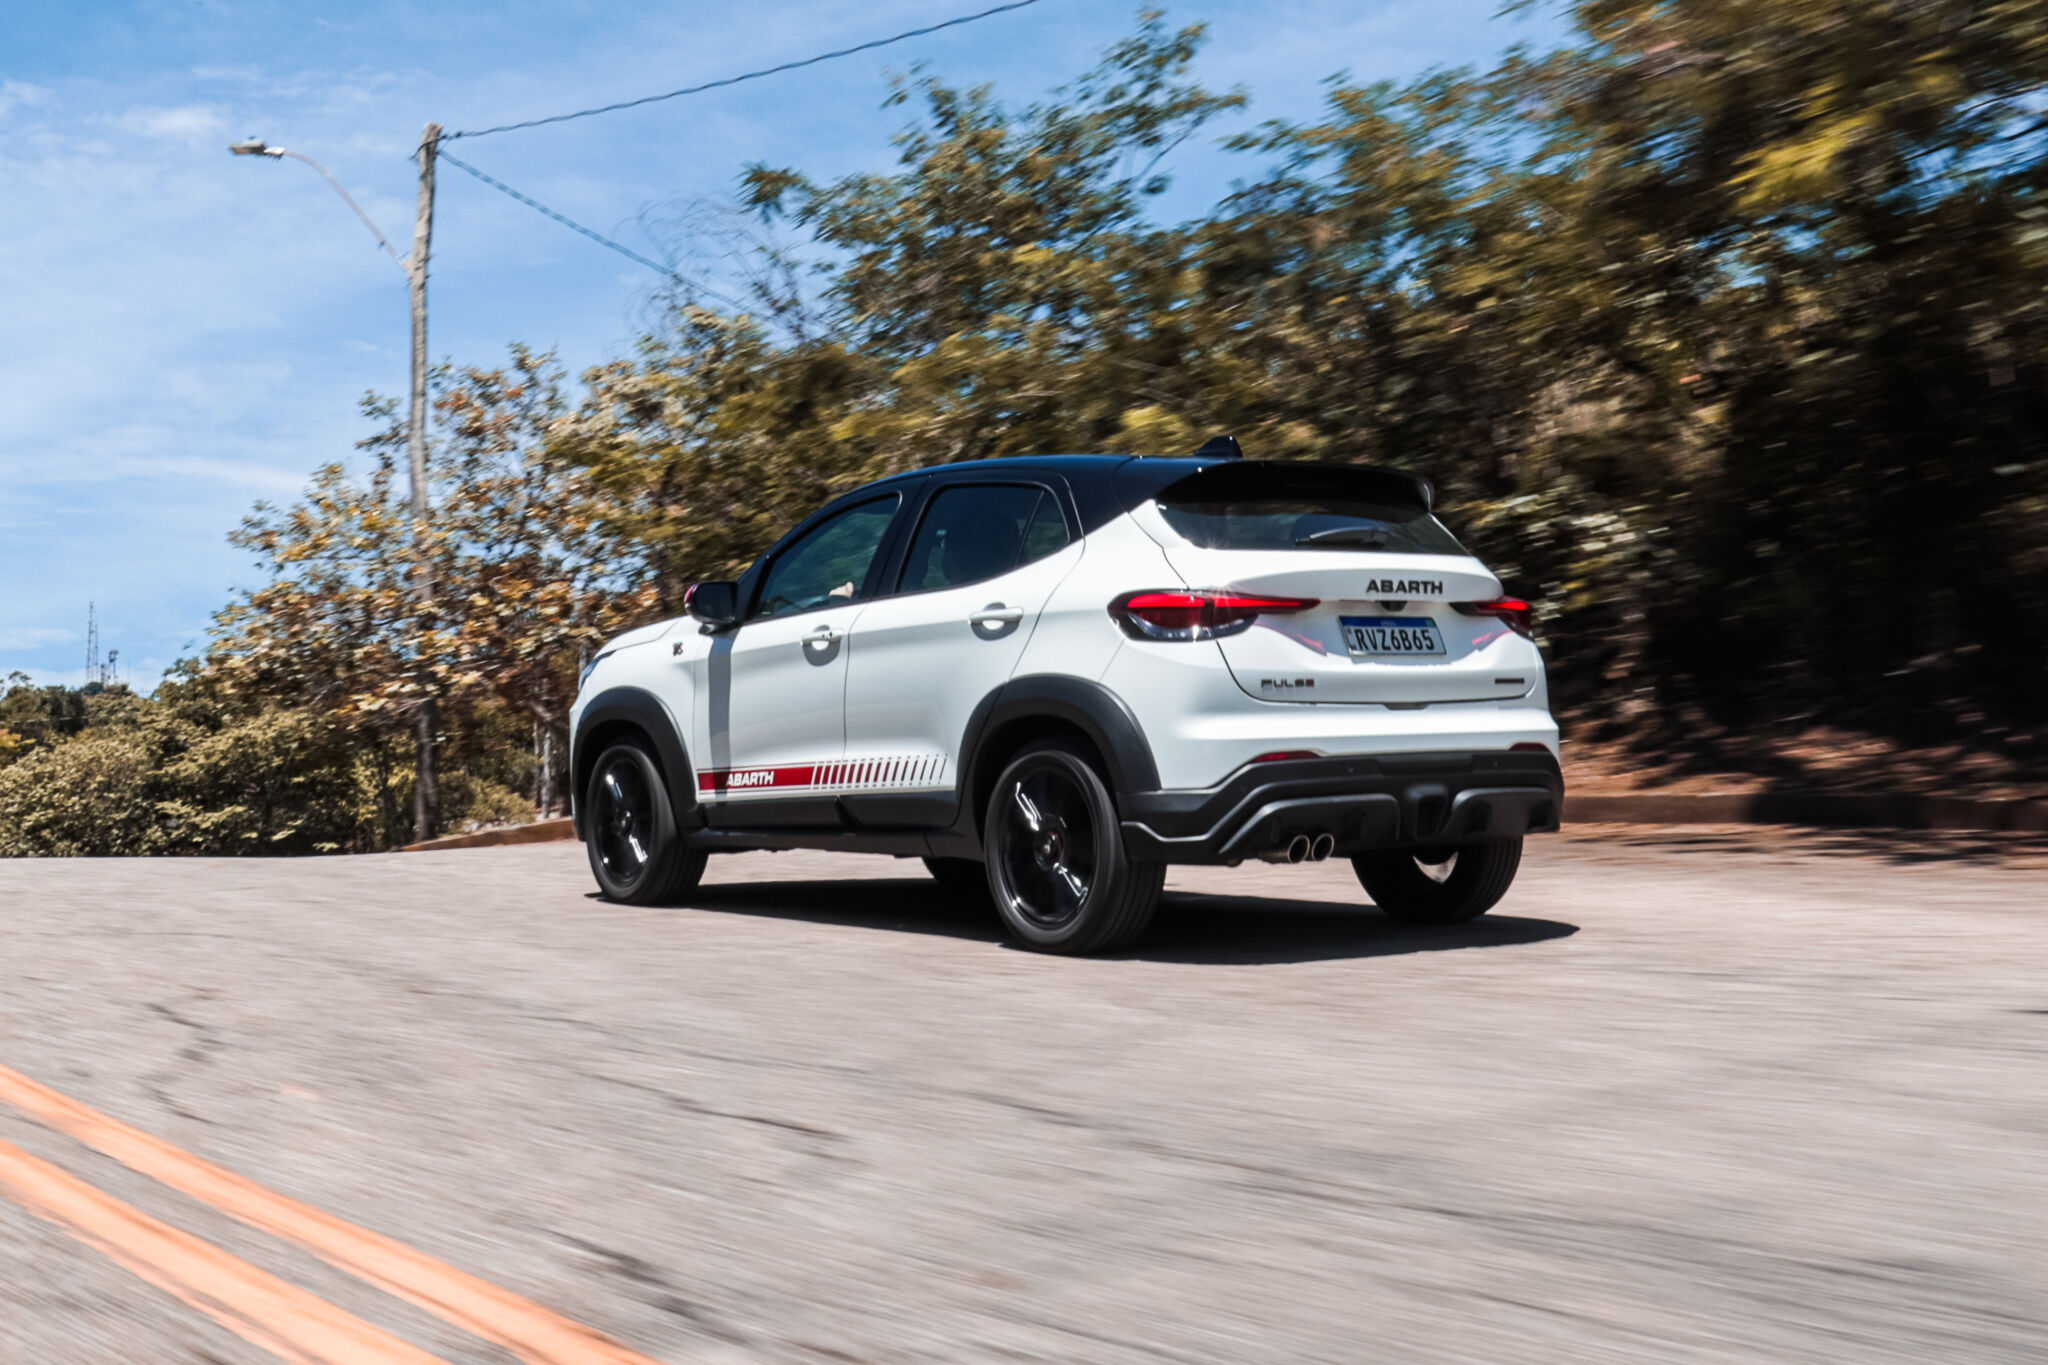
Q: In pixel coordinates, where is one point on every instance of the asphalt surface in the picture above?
(1705, 1096)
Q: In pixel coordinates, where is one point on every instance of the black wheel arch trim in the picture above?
(645, 712)
(1098, 713)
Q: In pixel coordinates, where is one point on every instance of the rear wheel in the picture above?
(635, 852)
(1057, 868)
(1439, 885)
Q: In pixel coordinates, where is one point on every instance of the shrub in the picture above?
(276, 782)
(85, 797)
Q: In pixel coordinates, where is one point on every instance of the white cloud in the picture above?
(35, 637)
(19, 94)
(183, 122)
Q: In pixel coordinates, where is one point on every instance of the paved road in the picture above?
(1714, 1097)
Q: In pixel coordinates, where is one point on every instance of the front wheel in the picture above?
(630, 831)
(1437, 886)
(1057, 867)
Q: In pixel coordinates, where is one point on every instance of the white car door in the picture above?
(775, 687)
(982, 562)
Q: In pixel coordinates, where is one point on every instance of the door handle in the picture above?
(823, 635)
(996, 614)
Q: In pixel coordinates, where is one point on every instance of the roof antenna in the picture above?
(1220, 448)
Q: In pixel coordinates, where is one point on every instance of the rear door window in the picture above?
(975, 531)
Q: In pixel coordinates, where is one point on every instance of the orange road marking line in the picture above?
(529, 1331)
(282, 1318)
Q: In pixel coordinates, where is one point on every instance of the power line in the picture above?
(735, 80)
(575, 226)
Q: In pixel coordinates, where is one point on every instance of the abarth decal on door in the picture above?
(864, 774)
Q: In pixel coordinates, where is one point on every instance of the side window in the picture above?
(976, 531)
(830, 564)
(1046, 532)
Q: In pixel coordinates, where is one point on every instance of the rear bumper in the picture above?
(1383, 801)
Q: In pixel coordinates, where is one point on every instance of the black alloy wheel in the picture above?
(1057, 868)
(630, 832)
(1438, 886)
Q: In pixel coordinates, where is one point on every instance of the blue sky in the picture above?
(183, 332)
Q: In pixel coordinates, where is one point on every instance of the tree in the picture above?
(530, 575)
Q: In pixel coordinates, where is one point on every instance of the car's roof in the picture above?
(1104, 487)
(1082, 465)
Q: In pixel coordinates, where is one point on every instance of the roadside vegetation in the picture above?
(1722, 330)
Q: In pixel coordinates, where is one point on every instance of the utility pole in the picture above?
(425, 797)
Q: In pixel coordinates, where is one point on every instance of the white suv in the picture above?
(1052, 677)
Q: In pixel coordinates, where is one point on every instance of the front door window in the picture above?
(829, 566)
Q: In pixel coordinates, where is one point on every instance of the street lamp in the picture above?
(256, 146)
(415, 268)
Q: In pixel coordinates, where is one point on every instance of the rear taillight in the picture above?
(1179, 614)
(1512, 610)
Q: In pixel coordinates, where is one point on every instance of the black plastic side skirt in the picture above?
(896, 824)
(907, 843)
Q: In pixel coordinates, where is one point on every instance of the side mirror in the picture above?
(715, 604)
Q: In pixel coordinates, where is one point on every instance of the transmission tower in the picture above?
(97, 670)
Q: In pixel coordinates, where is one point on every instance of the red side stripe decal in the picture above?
(748, 779)
(857, 774)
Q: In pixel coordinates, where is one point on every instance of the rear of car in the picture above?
(1325, 670)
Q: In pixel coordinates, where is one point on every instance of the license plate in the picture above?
(1375, 636)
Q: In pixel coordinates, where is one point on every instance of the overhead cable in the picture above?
(735, 80)
(575, 226)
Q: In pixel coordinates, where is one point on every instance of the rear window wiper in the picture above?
(1367, 537)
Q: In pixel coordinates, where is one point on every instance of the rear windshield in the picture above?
(1317, 508)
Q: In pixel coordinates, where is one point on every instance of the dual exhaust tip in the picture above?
(1302, 849)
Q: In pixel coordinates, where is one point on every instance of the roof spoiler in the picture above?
(1227, 479)
(1220, 447)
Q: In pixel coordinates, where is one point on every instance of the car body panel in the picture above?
(920, 663)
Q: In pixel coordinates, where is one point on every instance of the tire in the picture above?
(1438, 886)
(962, 877)
(1057, 868)
(635, 852)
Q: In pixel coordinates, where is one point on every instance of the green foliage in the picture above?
(191, 771)
(88, 796)
(478, 801)
(40, 715)
(275, 782)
